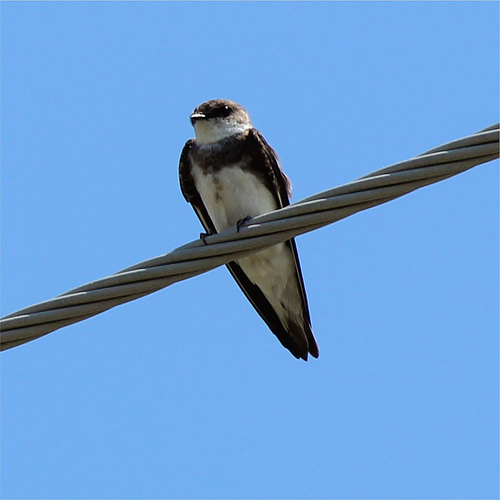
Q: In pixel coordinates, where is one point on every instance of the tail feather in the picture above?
(304, 343)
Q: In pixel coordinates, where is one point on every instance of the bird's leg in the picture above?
(241, 222)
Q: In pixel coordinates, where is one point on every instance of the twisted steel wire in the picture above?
(198, 257)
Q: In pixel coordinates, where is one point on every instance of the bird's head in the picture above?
(219, 119)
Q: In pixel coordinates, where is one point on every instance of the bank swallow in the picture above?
(229, 173)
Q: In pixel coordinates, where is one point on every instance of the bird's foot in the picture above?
(204, 237)
(241, 222)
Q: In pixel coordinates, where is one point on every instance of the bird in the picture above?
(229, 174)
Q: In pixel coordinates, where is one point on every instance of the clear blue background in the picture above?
(185, 393)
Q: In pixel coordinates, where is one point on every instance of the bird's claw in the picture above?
(241, 222)
(203, 237)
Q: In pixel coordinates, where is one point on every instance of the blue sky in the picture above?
(185, 393)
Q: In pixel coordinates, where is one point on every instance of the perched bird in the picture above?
(229, 173)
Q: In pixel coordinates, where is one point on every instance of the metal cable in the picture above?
(196, 257)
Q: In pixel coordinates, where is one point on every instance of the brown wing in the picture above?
(263, 154)
(300, 341)
(189, 190)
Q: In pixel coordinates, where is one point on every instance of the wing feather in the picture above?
(283, 190)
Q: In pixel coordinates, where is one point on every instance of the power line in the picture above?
(196, 257)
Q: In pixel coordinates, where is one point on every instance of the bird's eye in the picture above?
(225, 111)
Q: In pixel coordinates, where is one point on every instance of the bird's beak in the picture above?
(197, 116)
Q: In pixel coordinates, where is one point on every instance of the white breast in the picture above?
(231, 194)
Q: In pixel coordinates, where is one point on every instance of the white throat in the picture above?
(215, 130)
